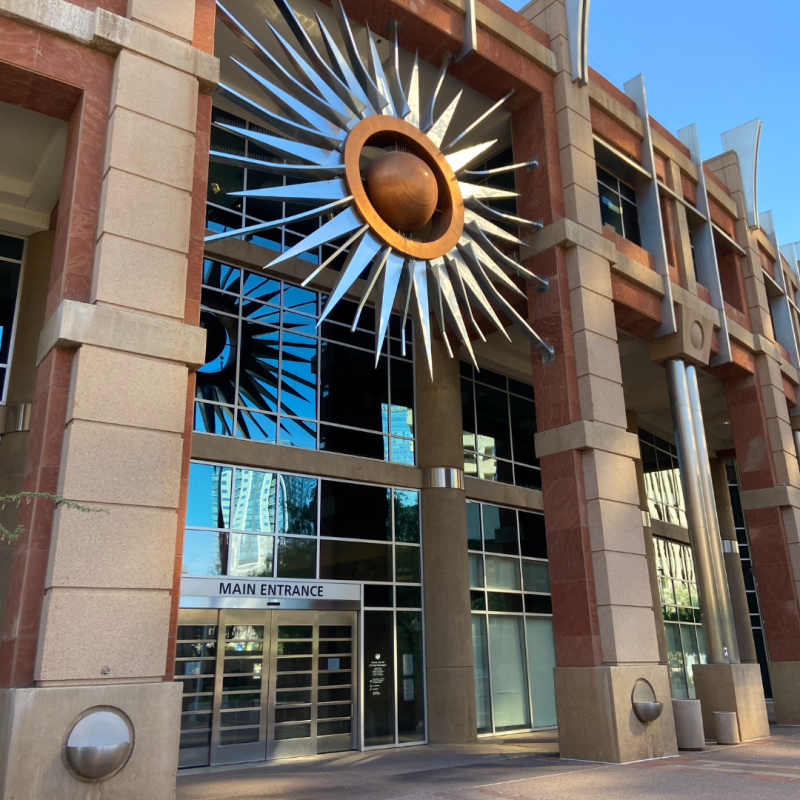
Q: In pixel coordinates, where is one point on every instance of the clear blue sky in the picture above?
(717, 63)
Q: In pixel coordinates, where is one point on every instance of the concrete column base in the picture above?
(785, 679)
(732, 687)
(451, 705)
(595, 715)
(35, 722)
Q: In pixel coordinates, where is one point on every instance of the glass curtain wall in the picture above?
(499, 419)
(750, 586)
(512, 623)
(680, 606)
(254, 523)
(11, 250)
(662, 479)
(272, 375)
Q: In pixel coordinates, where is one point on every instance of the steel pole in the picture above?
(712, 522)
(695, 508)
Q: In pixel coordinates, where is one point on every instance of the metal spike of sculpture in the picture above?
(411, 218)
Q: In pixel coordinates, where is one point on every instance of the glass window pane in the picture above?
(536, 576)
(378, 596)
(355, 561)
(258, 366)
(506, 602)
(474, 526)
(298, 376)
(297, 433)
(409, 596)
(610, 211)
(502, 573)
(297, 558)
(402, 451)
(509, 685)
(500, 530)
(691, 655)
(494, 430)
(541, 661)
(299, 299)
(410, 678)
(406, 516)
(402, 391)
(255, 426)
(205, 553)
(254, 501)
(476, 571)
(352, 442)
(209, 496)
(468, 414)
(677, 675)
(297, 505)
(407, 564)
(251, 556)
(355, 511)
(523, 428)
(480, 660)
(532, 535)
(379, 677)
(353, 391)
(213, 419)
(630, 219)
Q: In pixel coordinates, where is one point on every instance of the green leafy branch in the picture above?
(9, 536)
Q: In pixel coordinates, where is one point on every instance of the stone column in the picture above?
(22, 385)
(733, 564)
(605, 633)
(109, 428)
(448, 621)
(652, 566)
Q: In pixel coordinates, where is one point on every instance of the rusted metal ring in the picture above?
(448, 222)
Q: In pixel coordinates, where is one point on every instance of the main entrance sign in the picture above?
(374, 166)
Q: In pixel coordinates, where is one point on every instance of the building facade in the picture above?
(376, 375)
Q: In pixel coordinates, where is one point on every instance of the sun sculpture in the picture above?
(375, 169)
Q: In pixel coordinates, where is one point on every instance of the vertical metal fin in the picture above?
(427, 115)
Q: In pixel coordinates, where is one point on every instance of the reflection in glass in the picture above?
(475, 571)
(480, 658)
(407, 564)
(536, 576)
(406, 516)
(509, 685)
(251, 556)
(500, 530)
(355, 511)
(297, 505)
(209, 499)
(297, 558)
(677, 675)
(474, 526)
(255, 500)
(205, 553)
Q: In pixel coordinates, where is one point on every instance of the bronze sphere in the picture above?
(402, 188)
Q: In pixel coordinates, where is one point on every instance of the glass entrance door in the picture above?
(265, 684)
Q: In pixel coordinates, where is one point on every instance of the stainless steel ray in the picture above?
(489, 228)
(461, 158)
(483, 173)
(316, 192)
(474, 124)
(470, 249)
(503, 259)
(450, 306)
(473, 190)
(375, 272)
(341, 66)
(501, 216)
(276, 223)
(384, 97)
(324, 71)
(292, 106)
(486, 284)
(401, 107)
(278, 167)
(286, 147)
(439, 128)
(338, 251)
(411, 94)
(342, 224)
(307, 75)
(405, 290)
(461, 293)
(462, 275)
(427, 115)
(419, 282)
(360, 256)
(437, 306)
(387, 290)
(281, 124)
(361, 73)
(335, 110)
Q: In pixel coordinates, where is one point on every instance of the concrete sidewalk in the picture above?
(526, 765)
